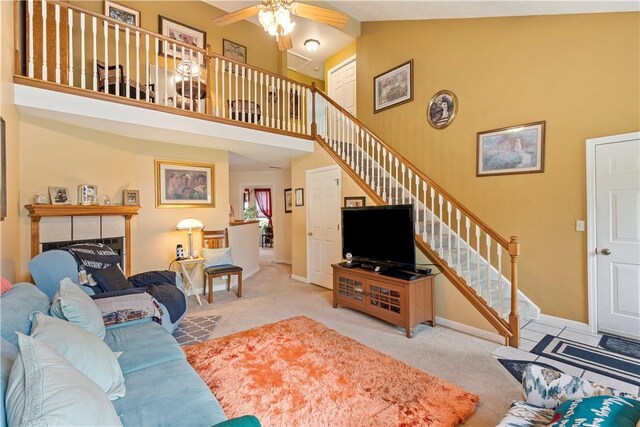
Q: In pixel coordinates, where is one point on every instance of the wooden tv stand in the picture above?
(404, 303)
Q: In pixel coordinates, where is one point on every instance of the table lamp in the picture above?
(190, 224)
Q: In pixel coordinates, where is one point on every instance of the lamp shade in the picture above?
(189, 224)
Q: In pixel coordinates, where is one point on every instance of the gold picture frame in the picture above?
(442, 109)
(182, 184)
(122, 13)
(131, 197)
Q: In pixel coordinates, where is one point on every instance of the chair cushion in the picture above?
(143, 345)
(168, 394)
(44, 389)
(218, 256)
(73, 304)
(15, 307)
(222, 269)
(86, 352)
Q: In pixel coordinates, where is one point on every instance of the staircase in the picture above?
(479, 262)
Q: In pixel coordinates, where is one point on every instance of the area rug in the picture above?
(594, 359)
(621, 346)
(193, 330)
(298, 372)
(516, 367)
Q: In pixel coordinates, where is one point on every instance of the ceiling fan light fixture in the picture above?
(276, 20)
(312, 45)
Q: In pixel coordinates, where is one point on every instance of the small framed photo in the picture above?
(131, 197)
(442, 109)
(393, 87)
(59, 195)
(184, 184)
(122, 13)
(87, 194)
(181, 32)
(235, 51)
(511, 150)
(299, 196)
(355, 202)
(288, 200)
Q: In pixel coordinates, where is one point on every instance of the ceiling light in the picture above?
(275, 18)
(312, 45)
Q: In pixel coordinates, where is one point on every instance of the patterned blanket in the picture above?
(127, 307)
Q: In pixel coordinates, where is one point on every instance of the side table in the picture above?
(189, 267)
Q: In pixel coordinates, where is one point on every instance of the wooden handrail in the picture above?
(499, 239)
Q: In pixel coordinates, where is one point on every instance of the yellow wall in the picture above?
(344, 54)
(303, 78)
(10, 242)
(58, 154)
(579, 73)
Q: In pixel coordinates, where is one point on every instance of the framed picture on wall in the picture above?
(442, 109)
(511, 150)
(122, 13)
(299, 196)
(235, 51)
(183, 33)
(184, 184)
(355, 202)
(393, 87)
(288, 200)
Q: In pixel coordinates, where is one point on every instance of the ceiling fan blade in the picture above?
(326, 16)
(236, 16)
(284, 42)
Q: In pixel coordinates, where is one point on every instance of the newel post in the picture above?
(514, 317)
(314, 125)
(210, 70)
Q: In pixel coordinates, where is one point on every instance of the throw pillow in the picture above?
(73, 304)
(603, 411)
(111, 279)
(86, 352)
(215, 257)
(5, 285)
(44, 389)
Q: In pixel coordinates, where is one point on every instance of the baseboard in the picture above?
(282, 261)
(564, 323)
(300, 278)
(476, 332)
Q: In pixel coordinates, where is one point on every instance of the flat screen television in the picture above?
(380, 235)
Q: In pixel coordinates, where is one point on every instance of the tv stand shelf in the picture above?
(404, 303)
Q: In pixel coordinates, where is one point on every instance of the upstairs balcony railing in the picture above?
(93, 55)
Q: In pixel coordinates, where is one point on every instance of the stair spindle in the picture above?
(433, 222)
(449, 208)
(57, 23)
(30, 60)
(424, 211)
(116, 36)
(458, 265)
(467, 224)
(397, 163)
(478, 279)
(440, 248)
(94, 26)
(70, 56)
(45, 72)
(83, 71)
(127, 87)
(105, 28)
(488, 243)
(499, 254)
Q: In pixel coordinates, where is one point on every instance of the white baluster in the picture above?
(304, 113)
(288, 115)
(44, 41)
(274, 95)
(478, 281)
(488, 243)
(404, 196)
(378, 148)
(262, 103)
(249, 90)
(230, 72)
(105, 28)
(417, 202)
(199, 58)
(449, 261)
(156, 45)
(222, 71)
(433, 219)
(499, 253)
(410, 179)
(467, 224)
(216, 111)
(57, 21)
(70, 56)
(243, 98)
(174, 88)
(398, 182)
(279, 123)
(146, 68)
(30, 13)
(116, 34)
(368, 166)
(83, 73)
(299, 107)
(165, 49)
(440, 247)
(283, 102)
(424, 211)
(94, 25)
(127, 86)
(458, 265)
(255, 94)
(192, 100)
(237, 110)
(138, 63)
(182, 92)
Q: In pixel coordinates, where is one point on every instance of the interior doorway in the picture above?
(613, 199)
(342, 84)
(257, 204)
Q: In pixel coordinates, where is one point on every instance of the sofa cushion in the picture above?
(15, 307)
(8, 354)
(44, 389)
(522, 414)
(73, 304)
(111, 279)
(217, 256)
(603, 411)
(49, 268)
(150, 390)
(86, 352)
(143, 345)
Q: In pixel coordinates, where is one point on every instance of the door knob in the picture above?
(606, 251)
(310, 234)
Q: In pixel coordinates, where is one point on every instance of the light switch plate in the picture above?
(579, 225)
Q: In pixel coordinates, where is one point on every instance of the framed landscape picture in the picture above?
(355, 202)
(181, 32)
(234, 51)
(288, 200)
(393, 87)
(184, 184)
(511, 150)
(122, 13)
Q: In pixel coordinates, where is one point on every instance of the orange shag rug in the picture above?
(298, 372)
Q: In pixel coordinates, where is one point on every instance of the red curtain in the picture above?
(263, 200)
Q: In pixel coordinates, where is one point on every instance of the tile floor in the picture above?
(532, 331)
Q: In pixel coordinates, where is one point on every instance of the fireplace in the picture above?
(115, 243)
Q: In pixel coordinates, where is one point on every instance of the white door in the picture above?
(342, 85)
(323, 224)
(618, 237)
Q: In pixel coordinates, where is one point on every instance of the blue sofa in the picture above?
(162, 388)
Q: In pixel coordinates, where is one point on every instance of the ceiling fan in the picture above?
(275, 18)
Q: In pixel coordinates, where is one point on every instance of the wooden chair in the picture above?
(217, 239)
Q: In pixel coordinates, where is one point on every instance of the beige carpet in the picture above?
(271, 295)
